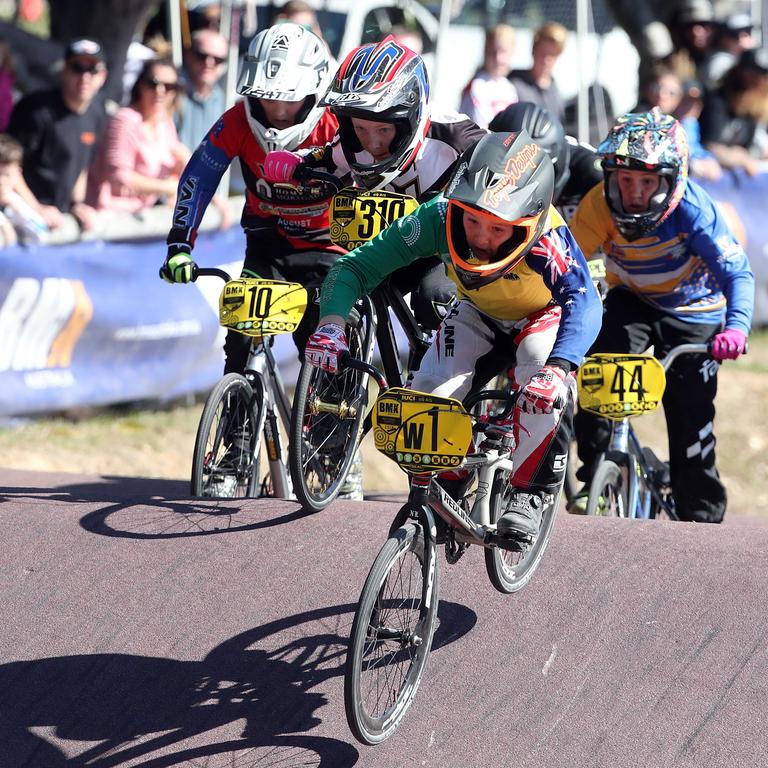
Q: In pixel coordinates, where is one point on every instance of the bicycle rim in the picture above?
(509, 571)
(608, 491)
(327, 419)
(391, 636)
(225, 463)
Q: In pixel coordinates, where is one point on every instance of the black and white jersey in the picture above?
(448, 136)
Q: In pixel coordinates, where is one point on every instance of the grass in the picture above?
(159, 443)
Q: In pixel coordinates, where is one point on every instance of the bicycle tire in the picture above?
(393, 652)
(608, 491)
(222, 465)
(510, 571)
(323, 445)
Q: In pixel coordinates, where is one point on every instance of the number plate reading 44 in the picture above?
(259, 307)
(421, 432)
(617, 386)
(357, 217)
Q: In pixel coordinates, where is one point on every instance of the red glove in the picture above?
(325, 346)
(545, 391)
(280, 165)
(728, 344)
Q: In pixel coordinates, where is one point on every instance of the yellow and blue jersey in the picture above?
(691, 266)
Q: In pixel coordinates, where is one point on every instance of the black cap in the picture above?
(84, 46)
(737, 22)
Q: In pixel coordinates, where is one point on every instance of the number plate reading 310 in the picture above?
(421, 432)
(259, 307)
(617, 386)
(357, 217)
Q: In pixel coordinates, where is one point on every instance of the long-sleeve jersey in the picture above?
(449, 134)
(298, 212)
(554, 271)
(691, 266)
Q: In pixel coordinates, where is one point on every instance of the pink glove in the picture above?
(280, 165)
(325, 346)
(728, 344)
(545, 391)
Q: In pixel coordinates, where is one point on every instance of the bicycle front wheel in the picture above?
(391, 636)
(327, 419)
(608, 491)
(510, 570)
(225, 463)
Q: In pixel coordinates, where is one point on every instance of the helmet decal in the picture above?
(500, 191)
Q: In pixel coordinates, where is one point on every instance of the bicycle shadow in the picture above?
(249, 701)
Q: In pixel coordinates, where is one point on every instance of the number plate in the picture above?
(257, 307)
(617, 386)
(357, 217)
(421, 432)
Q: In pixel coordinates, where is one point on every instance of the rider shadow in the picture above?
(250, 699)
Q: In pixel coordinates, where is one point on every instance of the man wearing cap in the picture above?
(60, 130)
(735, 35)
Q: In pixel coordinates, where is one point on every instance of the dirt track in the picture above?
(145, 629)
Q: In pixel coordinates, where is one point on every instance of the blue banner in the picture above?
(91, 323)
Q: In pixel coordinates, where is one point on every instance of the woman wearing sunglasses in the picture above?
(142, 156)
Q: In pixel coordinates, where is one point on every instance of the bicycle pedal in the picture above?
(513, 542)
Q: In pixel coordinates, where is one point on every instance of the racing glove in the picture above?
(728, 344)
(280, 165)
(325, 346)
(545, 391)
(178, 265)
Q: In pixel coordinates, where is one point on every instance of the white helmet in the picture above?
(286, 62)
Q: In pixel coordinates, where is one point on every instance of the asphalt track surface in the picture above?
(142, 628)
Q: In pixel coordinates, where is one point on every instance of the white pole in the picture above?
(174, 26)
(442, 37)
(582, 103)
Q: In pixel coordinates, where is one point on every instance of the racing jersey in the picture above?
(296, 211)
(553, 271)
(691, 266)
(585, 171)
(449, 134)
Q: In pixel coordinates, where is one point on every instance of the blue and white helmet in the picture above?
(286, 62)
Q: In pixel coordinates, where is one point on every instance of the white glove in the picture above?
(545, 391)
(325, 346)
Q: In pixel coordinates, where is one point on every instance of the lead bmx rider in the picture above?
(526, 303)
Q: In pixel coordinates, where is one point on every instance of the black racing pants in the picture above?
(269, 256)
(631, 325)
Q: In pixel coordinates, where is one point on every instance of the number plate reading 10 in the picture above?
(421, 432)
(357, 217)
(257, 307)
(617, 386)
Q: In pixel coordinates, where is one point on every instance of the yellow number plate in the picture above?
(421, 432)
(596, 269)
(259, 307)
(616, 386)
(357, 217)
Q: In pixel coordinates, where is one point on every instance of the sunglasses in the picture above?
(81, 69)
(154, 84)
(202, 56)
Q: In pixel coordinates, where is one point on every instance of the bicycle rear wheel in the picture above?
(608, 491)
(225, 462)
(326, 423)
(510, 570)
(391, 636)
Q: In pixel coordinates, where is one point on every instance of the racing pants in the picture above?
(470, 349)
(631, 325)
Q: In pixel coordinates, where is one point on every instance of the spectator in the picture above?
(536, 84)
(490, 91)
(299, 12)
(734, 37)
(19, 222)
(734, 118)
(7, 84)
(662, 89)
(409, 37)
(702, 163)
(204, 64)
(141, 157)
(693, 29)
(60, 131)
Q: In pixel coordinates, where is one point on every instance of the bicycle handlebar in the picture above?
(209, 271)
(347, 361)
(305, 173)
